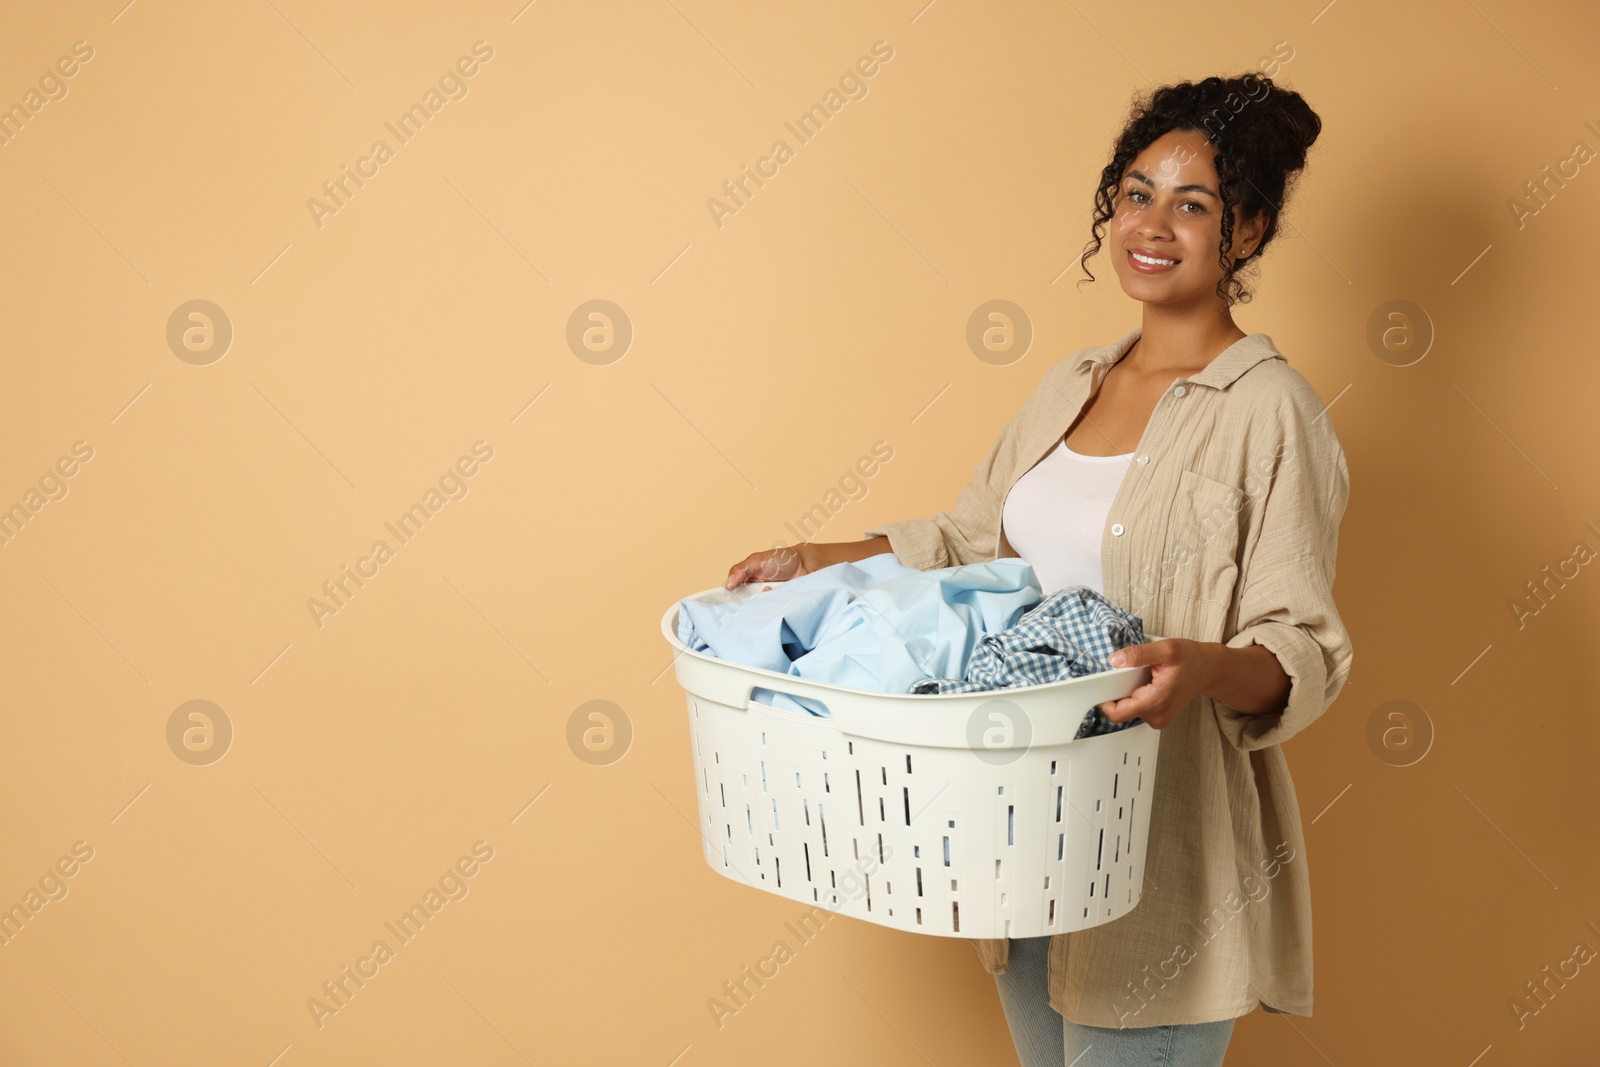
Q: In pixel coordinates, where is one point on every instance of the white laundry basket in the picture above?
(959, 815)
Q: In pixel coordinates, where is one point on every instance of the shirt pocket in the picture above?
(1202, 549)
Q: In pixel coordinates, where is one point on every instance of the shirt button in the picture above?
(1116, 528)
(1142, 460)
(1178, 390)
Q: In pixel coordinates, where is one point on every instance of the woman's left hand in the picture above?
(1179, 670)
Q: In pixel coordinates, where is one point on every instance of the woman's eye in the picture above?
(1139, 196)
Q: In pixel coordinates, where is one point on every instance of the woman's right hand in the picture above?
(776, 565)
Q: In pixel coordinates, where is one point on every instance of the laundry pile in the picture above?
(880, 626)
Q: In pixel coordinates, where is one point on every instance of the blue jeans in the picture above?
(1045, 1039)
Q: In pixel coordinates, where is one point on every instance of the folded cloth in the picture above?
(875, 625)
(1069, 634)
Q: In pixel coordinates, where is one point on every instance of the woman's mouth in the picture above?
(1149, 262)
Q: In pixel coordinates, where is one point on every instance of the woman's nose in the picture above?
(1155, 228)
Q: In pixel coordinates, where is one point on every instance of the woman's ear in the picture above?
(1247, 236)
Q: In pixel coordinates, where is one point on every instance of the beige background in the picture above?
(768, 354)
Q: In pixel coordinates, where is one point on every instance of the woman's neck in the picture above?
(1178, 341)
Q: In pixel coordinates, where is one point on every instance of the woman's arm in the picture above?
(1248, 679)
(819, 556)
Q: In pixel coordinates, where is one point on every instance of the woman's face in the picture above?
(1169, 209)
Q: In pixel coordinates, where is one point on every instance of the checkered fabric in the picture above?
(1068, 634)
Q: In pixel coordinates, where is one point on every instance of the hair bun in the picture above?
(1303, 123)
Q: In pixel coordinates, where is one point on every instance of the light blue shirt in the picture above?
(875, 625)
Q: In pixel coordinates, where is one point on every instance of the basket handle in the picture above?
(751, 698)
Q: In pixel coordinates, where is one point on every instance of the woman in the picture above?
(1188, 473)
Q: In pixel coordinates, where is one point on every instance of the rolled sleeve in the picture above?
(1286, 587)
(917, 543)
(1310, 693)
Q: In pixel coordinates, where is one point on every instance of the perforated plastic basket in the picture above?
(959, 815)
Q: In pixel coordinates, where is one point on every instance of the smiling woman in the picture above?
(1195, 476)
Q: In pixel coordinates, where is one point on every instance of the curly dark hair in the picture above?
(1261, 133)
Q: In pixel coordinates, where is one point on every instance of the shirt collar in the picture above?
(1228, 366)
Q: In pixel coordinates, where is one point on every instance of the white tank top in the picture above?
(1055, 516)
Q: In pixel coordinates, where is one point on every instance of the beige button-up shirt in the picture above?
(1225, 529)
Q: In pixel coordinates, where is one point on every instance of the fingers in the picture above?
(1120, 710)
(1127, 708)
(1150, 652)
(742, 572)
(1117, 715)
(759, 569)
(756, 567)
(1144, 700)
